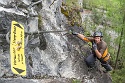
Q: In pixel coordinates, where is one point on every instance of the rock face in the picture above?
(50, 57)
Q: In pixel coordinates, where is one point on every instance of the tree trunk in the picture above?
(120, 41)
(119, 48)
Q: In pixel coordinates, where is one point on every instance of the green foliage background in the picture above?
(110, 14)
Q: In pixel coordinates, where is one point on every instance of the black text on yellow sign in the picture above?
(18, 65)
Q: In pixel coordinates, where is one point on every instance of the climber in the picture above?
(99, 50)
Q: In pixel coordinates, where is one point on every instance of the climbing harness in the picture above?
(105, 55)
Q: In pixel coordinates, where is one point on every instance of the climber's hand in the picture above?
(94, 46)
(73, 32)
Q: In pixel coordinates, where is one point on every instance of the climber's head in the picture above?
(97, 36)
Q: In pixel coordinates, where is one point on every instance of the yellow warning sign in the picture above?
(18, 65)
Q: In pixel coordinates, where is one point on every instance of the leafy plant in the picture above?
(76, 81)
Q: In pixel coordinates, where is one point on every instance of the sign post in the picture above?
(18, 65)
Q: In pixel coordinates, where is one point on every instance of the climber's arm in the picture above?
(81, 36)
(98, 54)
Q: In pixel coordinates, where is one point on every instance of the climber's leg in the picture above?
(90, 60)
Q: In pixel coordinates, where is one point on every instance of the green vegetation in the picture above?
(76, 81)
(111, 15)
(40, 24)
(72, 11)
(72, 3)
